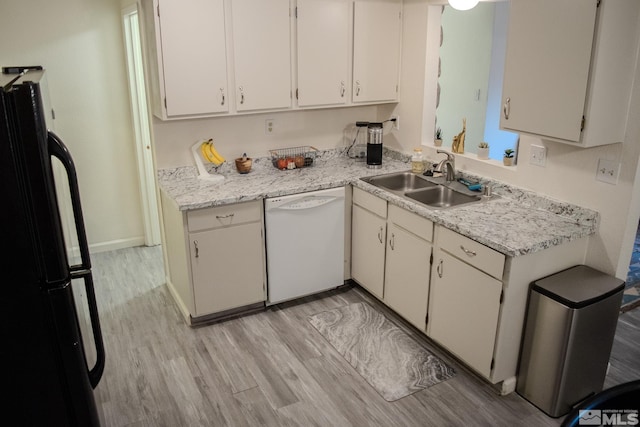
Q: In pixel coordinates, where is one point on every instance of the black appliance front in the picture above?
(45, 378)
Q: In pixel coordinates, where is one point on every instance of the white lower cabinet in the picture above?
(465, 300)
(472, 298)
(390, 255)
(226, 266)
(368, 235)
(215, 258)
(406, 287)
(463, 310)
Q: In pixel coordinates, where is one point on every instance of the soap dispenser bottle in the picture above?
(417, 161)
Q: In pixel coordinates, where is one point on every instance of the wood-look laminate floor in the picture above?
(273, 368)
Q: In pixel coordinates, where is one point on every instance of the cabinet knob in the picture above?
(357, 87)
(195, 247)
(342, 89)
(507, 108)
(392, 241)
(440, 269)
(380, 235)
(222, 94)
(241, 95)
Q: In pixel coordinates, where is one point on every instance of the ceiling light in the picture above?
(463, 4)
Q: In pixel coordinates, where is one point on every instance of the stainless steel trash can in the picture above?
(571, 321)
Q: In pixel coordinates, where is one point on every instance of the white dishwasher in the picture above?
(305, 243)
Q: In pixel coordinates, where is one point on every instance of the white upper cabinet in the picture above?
(194, 65)
(569, 68)
(376, 50)
(262, 54)
(219, 57)
(323, 52)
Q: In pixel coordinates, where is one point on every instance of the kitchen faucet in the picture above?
(449, 164)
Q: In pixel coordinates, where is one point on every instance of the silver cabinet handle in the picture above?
(225, 219)
(468, 251)
(241, 95)
(342, 89)
(392, 241)
(380, 235)
(440, 269)
(222, 93)
(357, 87)
(507, 108)
(228, 218)
(195, 246)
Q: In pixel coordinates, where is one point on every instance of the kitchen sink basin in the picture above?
(430, 194)
(400, 181)
(441, 197)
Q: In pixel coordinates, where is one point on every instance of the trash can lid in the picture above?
(578, 286)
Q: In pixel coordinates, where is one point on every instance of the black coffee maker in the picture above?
(374, 145)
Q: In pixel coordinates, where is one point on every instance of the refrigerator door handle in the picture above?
(60, 151)
(83, 270)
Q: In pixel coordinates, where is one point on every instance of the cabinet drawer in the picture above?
(370, 202)
(472, 252)
(224, 216)
(413, 223)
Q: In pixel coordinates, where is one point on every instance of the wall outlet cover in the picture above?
(269, 126)
(608, 171)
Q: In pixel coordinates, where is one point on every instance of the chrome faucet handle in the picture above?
(450, 156)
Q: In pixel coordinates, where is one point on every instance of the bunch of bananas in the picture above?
(210, 153)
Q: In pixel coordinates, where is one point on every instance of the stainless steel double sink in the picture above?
(419, 189)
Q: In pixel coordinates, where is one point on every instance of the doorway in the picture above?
(140, 116)
(631, 297)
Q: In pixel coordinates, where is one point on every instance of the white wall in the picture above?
(80, 45)
(235, 135)
(570, 172)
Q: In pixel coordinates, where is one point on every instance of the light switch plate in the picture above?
(608, 171)
(538, 155)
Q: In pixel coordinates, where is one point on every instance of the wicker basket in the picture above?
(294, 157)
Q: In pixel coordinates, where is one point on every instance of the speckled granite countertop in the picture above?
(516, 223)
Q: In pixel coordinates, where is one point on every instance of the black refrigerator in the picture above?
(45, 377)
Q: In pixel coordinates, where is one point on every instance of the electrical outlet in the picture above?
(538, 155)
(608, 171)
(396, 124)
(269, 126)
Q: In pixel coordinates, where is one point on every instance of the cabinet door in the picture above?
(547, 66)
(262, 54)
(323, 52)
(194, 61)
(227, 267)
(463, 311)
(406, 287)
(368, 234)
(376, 50)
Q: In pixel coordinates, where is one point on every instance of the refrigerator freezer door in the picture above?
(43, 361)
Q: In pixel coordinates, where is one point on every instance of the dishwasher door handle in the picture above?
(304, 203)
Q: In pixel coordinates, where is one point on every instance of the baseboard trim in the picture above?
(112, 245)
